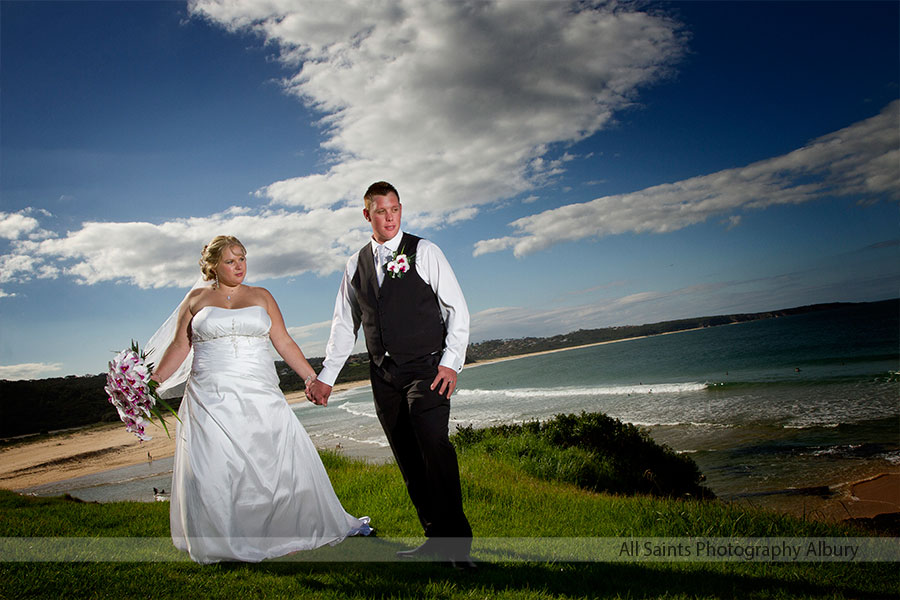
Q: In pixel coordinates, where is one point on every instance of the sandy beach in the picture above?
(92, 450)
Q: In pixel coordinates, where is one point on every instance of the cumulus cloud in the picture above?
(29, 371)
(22, 225)
(860, 160)
(13, 225)
(280, 243)
(459, 103)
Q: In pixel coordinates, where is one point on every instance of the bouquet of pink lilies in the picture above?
(133, 393)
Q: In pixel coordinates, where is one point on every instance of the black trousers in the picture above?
(416, 420)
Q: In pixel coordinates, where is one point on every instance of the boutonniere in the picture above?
(399, 264)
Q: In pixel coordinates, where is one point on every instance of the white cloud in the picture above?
(458, 103)
(313, 338)
(13, 225)
(861, 160)
(311, 331)
(29, 371)
(21, 225)
(279, 243)
(21, 265)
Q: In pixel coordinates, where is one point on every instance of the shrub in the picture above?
(590, 450)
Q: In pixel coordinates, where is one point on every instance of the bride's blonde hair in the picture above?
(212, 254)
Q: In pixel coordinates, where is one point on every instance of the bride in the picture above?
(247, 482)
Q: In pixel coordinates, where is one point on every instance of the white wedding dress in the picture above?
(247, 483)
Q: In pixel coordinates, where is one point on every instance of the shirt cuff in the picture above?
(327, 376)
(450, 361)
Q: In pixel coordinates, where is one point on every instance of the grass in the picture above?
(593, 451)
(502, 500)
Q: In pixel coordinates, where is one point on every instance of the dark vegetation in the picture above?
(39, 406)
(44, 405)
(592, 451)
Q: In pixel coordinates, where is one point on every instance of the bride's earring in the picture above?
(217, 281)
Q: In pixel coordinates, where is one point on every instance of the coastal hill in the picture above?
(43, 405)
(493, 349)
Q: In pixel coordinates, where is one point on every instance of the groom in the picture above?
(402, 291)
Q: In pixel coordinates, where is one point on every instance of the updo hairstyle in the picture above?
(212, 254)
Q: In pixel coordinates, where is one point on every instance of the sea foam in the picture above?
(615, 390)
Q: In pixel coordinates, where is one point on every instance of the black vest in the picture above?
(402, 318)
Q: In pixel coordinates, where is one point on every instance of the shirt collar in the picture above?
(392, 244)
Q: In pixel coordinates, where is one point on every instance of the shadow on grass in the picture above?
(312, 573)
(581, 580)
(330, 573)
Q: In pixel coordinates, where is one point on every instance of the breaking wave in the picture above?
(615, 390)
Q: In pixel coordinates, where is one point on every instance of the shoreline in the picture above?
(490, 361)
(68, 454)
(93, 449)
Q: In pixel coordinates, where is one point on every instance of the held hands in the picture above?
(318, 392)
(445, 381)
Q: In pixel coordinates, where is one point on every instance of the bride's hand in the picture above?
(318, 392)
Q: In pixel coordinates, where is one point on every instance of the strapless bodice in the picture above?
(213, 322)
(227, 334)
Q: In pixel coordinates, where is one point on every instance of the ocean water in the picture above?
(762, 407)
(790, 402)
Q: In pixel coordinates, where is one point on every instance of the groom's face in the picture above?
(384, 215)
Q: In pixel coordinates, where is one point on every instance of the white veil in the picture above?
(156, 346)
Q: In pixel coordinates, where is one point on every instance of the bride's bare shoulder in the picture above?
(198, 298)
(259, 293)
(254, 289)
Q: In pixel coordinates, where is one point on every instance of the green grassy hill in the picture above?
(505, 500)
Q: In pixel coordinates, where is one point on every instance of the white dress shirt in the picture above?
(432, 267)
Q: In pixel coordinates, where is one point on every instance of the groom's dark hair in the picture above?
(379, 188)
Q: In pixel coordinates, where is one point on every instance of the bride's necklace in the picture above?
(228, 295)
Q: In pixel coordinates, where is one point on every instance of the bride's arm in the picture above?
(180, 346)
(284, 343)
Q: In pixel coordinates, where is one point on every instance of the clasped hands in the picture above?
(318, 392)
(445, 383)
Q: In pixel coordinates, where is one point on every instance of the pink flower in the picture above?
(129, 390)
(400, 264)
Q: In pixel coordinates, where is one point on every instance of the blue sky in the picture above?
(580, 167)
